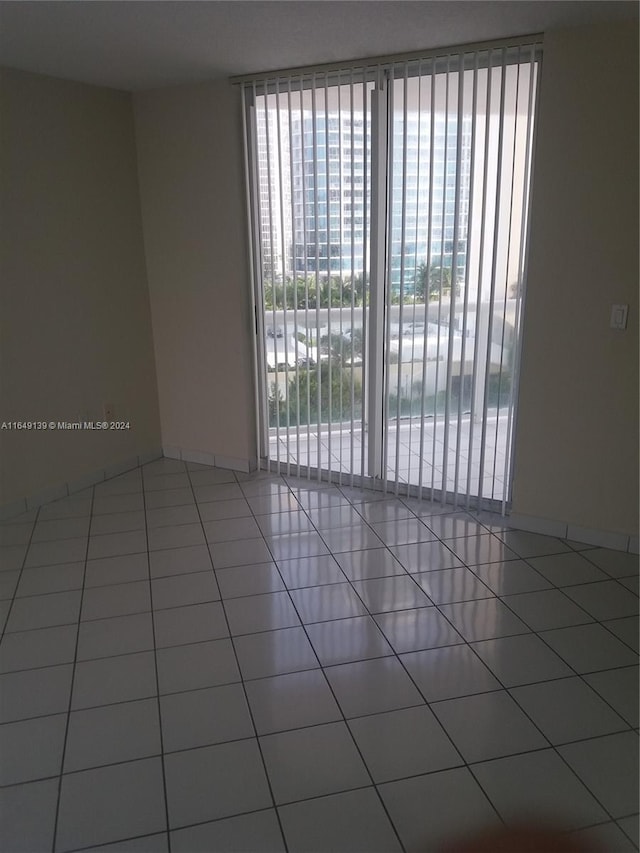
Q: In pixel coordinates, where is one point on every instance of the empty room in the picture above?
(319, 426)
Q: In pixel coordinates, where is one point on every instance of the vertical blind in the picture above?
(389, 220)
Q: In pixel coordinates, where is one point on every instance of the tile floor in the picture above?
(411, 457)
(198, 661)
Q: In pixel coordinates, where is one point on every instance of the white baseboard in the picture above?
(201, 457)
(73, 487)
(547, 526)
(600, 538)
(565, 530)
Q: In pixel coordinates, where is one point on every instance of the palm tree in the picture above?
(431, 278)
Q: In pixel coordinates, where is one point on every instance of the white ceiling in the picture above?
(146, 44)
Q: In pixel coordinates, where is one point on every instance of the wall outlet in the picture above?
(108, 411)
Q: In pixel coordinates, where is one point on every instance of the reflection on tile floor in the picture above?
(198, 660)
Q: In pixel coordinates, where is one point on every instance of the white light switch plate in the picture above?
(619, 316)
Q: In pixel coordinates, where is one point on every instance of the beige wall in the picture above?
(192, 189)
(75, 323)
(577, 441)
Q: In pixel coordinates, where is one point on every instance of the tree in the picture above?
(343, 349)
(304, 388)
(431, 279)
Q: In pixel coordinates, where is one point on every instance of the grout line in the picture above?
(71, 688)
(155, 663)
(246, 698)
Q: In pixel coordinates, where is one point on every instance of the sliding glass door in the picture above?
(312, 230)
(389, 223)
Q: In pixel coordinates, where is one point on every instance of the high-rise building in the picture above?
(274, 187)
(315, 193)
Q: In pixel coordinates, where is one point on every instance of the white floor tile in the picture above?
(324, 603)
(617, 564)
(447, 586)
(58, 551)
(372, 686)
(67, 528)
(117, 636)
(154, 843)
(204, 717)
(588, 648)
(547, 609)
(482, 548)
(109, 680)
(254, 613)
(538, 788)
(402, 531)
(44, 611)
(445, 673)
(176, 536)
(413, 630)
(524, 659)
(180, 590)
(606, 600)
(430, 811)
(483, 619)
(343, 823)
(311, 571)
(168, 498)
(566, 569)
(108, 504)
(31, 749)
(176, 561)
(488, 725)
(240, 553)
(403, 743)
(312, 762)
(122, 569)
(112, 544)
(425, 556)
(620, 688)
(192, 624)
(291, 701)
(631, 827)
(119, 599)
(274, 653)
(239, 581)
(121, 801)
(290, 546)
(567, 710)
(40, 648)
(532, 544)
(117, 522)
(29, 816)
(114, 733)
(196, 665)
(370, 563)
(220, 510)
(608, 766)
(231, 529)
(628, 630)
(46, 579)
(255, 831)
(604, 836)
(347, 640)
(214, 782)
